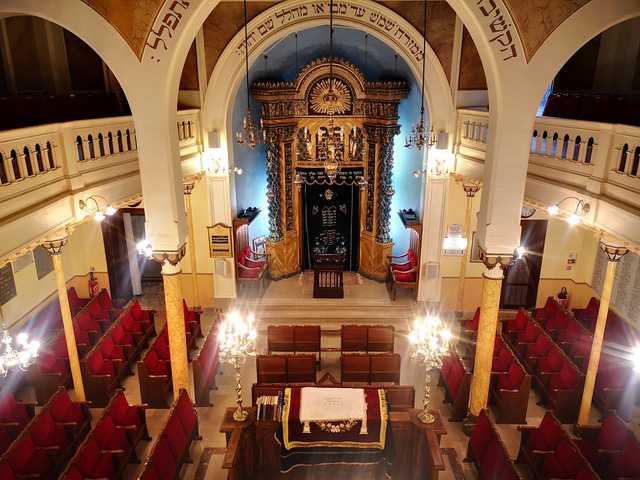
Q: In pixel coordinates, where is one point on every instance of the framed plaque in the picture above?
(7, 284)
(220, 241)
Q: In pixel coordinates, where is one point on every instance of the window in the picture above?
(101, 144)
(39, 160)
(554, 144)
(534, 141)
(52, 163)
(545, 99)
(622, 166)
(589, 153)
(27, 161)
(565, 147)
(189, 129)
(543, 143)
(79, 147)
(576, 148)
(3, 171)
(636, 162)
(15, 166)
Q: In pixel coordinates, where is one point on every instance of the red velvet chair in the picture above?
(90, 462)
(130, 418)
(154, 376)
(251, 268)
(14, 416)
(402, 272)
(75, 416)
(544, 438)
(75, 302)
(510, 393)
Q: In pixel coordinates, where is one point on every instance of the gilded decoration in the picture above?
(297, 116)
(325, 100)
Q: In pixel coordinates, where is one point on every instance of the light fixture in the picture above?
(99, 214)
(520, 251)
(144, 248)
(418, 138)
(419, 173)
(22, 354)
(454, 242)
(237, 342)
(575, 217)
(635, 359)
(238, 171)
(429, 341)
(249, 134)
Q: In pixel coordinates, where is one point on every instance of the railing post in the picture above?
(601, 158)
(68, 156)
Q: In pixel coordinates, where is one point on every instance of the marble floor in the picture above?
(284, 292)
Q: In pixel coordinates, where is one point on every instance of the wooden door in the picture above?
(520, 284)
(115, 246)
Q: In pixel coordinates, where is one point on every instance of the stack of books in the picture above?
(269, 407)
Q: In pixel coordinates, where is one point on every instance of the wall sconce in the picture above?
(98, 214)
(582, 208)
(520, 252)
(144, 248)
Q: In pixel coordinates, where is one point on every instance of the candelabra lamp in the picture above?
(237, 342)
(20, 353)
(429, 339)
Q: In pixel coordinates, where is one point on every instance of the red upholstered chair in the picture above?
(154, 376)
(6, 473)
(176, 439)
(191, 320)
(48, 374)
(539, 349)
(402, 275)
(5, 440)
(92, 463)
(101, 315)
(543, 438)
(502, 361)
(130, 418)
(550, 307)
(280, 338)
(144, 317)
(107, 305)
(14, 416)
(625, 465)
(565, 462)
(28, 461)
(164, 463)
(564, 391)
(100, 377)
(402, 263)
(161, 347)
(599, 443)
(510, 392)
(557, 322)
(113, 440)
(75, 302)
(73, 415)
(90, 325)
(511, 328)
(48, 434)
(113, 352)
(251, 268)
(187, 415)
(470, 327)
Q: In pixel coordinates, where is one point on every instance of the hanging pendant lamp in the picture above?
(248, 134)
(418, 138)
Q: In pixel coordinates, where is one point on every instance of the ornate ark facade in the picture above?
(309, 213)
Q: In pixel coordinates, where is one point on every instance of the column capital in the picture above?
(494, 263)
(470, 189)
(56, 244)
(613, 252)
(187, 187)
(169, 257)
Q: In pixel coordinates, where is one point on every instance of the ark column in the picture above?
(191, 241)
(614, 255)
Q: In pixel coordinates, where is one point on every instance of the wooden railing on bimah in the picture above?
(205, 366)
(252, 451)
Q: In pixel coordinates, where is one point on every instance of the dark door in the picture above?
(331, 222)
(520, 284)
(150, 270)
(115, 246)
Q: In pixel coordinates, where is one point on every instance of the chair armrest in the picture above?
(397, 256)
(244, 267)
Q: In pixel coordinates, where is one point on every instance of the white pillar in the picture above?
(433, 225)
(132, 253)
(224, 278)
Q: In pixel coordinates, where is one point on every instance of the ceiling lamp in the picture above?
(248, 134)
(575, 217)
(332, 144)
(20, 354)
(99, 214)
(418, 138)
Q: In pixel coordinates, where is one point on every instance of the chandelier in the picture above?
(429, 339)
(418, 137)
(20, 355)
(237, 342)
(249, 133)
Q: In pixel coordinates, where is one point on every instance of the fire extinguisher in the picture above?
(93, 284)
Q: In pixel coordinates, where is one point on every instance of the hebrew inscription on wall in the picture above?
(367, 15)
(167, 21)
(497, 22)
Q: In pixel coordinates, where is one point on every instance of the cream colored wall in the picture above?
(561, 240)
(84, 250)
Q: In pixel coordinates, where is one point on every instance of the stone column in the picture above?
(55, 246)
(614, 255)
(191, 242)
(171, 270)
(489, 308)
(470, 190)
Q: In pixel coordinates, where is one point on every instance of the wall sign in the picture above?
(7, 284)
(44, 264)
(220, 241)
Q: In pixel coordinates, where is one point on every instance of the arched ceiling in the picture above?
(536, 19)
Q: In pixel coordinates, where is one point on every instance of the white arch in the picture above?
(229, 70)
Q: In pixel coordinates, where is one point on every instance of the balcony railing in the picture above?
(600, 158)
(49, 160)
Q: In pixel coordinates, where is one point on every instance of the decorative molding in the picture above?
(470, 189)
(172, 257)
(492, 261)
(614, 253)
(55, 245)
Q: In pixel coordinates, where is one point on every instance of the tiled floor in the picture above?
(296, 289)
